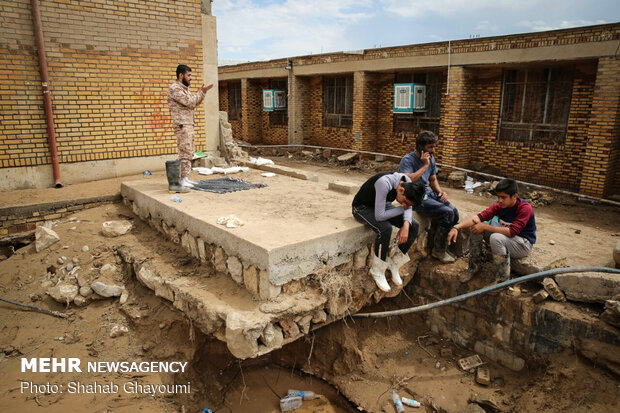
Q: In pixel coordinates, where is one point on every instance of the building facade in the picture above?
(541, 107)
(110, 64)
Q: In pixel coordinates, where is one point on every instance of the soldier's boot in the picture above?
(440, 247)
(173, 174)
(475, 258)
(502, 266)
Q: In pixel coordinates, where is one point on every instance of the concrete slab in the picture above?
(292, 227)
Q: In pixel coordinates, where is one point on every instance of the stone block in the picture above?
(304, 323)
(589, 287)
(219, 258)
(290, 328)
(456, 179)
(360, 258)
(500, 356)
(267, 290)
(554, 291)
(202, 252)
(483, 376)
(235, 269)
(250, 280)
(540, 296)
(319, 317)
(348, 158)
(44, 237)
(611, 315)
(538, 261)
(347, 188)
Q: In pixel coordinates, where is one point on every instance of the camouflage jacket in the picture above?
(182, 103)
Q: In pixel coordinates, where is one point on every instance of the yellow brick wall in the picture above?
(110, 64)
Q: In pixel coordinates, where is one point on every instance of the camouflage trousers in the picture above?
(185, 141)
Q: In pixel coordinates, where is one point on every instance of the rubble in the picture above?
(107, 290)
(44, 237)
(554, 291)
(115, 228)
(589, 287)
(64, 292)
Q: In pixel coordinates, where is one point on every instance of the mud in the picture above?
(354, 363)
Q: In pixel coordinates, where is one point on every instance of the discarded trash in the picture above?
(261, 161)
(483, 376)
(175, 198)
(199, 153)
(304, 394)
(147, 172)
(470, 362)
(397, 403)
(207, 410)
(289, 403)
(231, 221)
(410, 402)
(268, 174)
(225, 185)
(203, 171)
(438, 365)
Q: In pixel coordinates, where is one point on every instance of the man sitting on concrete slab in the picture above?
(420, 166)
(373, 206)
(511, 236)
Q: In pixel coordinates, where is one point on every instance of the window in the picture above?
(234, 100)
(535, 105)
(419, 121)
(338, 102)
(279, 117)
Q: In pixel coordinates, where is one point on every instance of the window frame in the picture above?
(553, 91)
(279, 117)
(234, 101)
(338, 114)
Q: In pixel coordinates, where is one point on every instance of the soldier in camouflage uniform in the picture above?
(182, 104)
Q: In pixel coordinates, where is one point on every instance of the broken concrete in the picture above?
(539, 260)
(44, 237)
(554, 291)
(343, 187)
(117, 228)
(589, 287)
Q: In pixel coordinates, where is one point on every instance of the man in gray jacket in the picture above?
(373, 206)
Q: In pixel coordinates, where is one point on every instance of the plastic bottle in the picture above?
(175, 198)
(397, 403)
(410, 402)
(304, 394)
(289, 403)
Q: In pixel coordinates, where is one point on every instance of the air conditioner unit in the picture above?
(274, 99)
(409, 97)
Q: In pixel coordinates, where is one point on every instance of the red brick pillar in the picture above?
(298, 109)
(251, 110)
(365, 103)
(600, 162)
(455, 128)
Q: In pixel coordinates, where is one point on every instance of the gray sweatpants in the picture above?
(516, 247)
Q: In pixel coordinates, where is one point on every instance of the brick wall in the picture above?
(251, 110)
(320, 135)
(600, 160)
(110, 64)
(537, 163)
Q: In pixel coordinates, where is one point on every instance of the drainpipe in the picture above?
(47, 95)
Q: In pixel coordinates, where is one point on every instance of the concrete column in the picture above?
(600, 163)
(365, 103)
(455, 129)
(298, 108)
(210, 75)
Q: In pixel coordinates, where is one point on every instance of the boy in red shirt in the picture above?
(512, 235)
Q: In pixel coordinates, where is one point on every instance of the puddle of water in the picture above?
(259, 391)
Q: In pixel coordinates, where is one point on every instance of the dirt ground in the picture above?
(397, 353)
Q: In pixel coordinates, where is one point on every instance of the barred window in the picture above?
(234, 100)
(536, 105)
(429, 119)
(279, 117)
(338, 102)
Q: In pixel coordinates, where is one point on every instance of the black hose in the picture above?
(485, 290)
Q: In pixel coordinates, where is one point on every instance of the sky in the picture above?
(251, 30)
